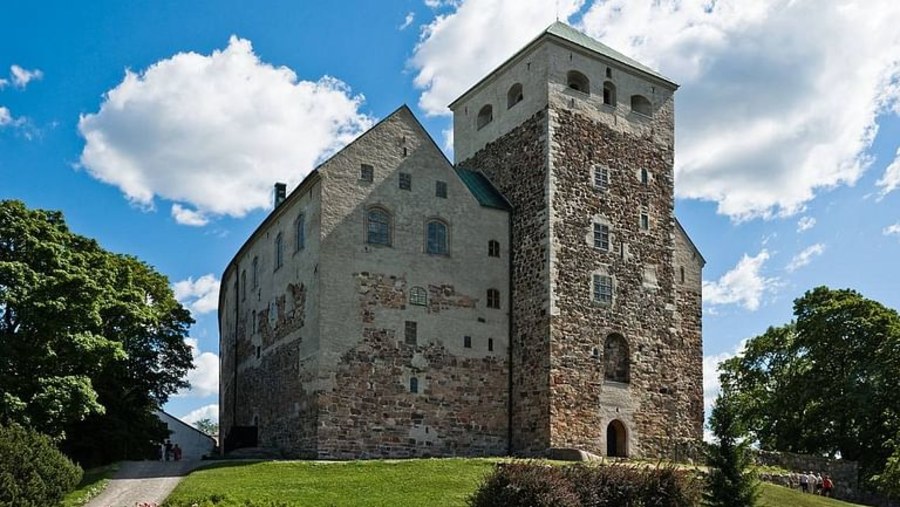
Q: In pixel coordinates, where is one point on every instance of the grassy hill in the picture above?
(419, 482)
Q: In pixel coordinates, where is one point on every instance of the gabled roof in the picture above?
(690, 242)
(572, 35)
(485, 193)
(160, 412)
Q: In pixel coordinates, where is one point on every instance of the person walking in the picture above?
(804, 482)
(168, 450)
(828, 486)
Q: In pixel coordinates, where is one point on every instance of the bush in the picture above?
(537, 484)
(531, 484)
(33, 473)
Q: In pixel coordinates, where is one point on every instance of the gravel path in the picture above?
(143, 481)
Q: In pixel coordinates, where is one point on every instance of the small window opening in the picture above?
(645, 221)
(411, 333)
(253, 325)
(514, 95)
(595, 353)
(601, 237)
(405, 180)
(601, 178)
(603, 289)
(682, 273)
(258, 349)
(366, 173)
(244, 285)
(578, 81)
(279, 251)
(490, 344)
(467, 342)
(493, 298)
(640, 105)
(405, 151)
(437, 243)
(418, 296)
(485, 116)
(609, 93)
(440, 189)
(609, 72)
(493, 248)
(645, 176)
(255, 272)
(414, 385)
(300, 242)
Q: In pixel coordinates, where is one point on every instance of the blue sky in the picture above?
(159, 127)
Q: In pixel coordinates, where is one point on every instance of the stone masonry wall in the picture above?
(657, 404)
(516, 164)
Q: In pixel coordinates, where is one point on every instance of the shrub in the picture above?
(536, 484)
(532, 484)
(32, 471)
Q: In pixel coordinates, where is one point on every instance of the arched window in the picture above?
(300, 230)
(616, 440)
(514, 95)
(413, 385)
(493, 298)
(436, 238)
(640, 104)
(244, 285)
(578, 81)
(378, 227)
(616, 361)
(279, 251)
(609, 93)
(645, 176)
(255, 272)
(493, 248)
(485, 116)
(418, 296)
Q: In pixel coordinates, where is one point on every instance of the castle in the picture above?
(538, 294)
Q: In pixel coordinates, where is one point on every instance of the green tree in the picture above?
(90, 341)
(825, 383)
(207, 426)
(731, 482)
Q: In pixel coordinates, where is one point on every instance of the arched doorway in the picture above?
(616, 440)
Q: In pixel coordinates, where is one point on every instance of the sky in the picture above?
(159, 127)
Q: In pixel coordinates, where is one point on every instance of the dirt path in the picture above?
(143, 481)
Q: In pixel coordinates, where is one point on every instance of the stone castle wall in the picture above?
(516, 164)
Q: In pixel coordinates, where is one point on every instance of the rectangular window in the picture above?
(366, 172)
(467, 342)
(405, 181)
(493, 248)
(490, 344)
(645, 177)
(411, 334)
(601, 237)
(603, 289)
(601, 177)
(645, 221)
(437, 238)
(440, 189)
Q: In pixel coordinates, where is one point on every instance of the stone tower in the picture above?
(606, 350)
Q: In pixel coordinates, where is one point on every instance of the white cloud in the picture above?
(805, 257)
(201, 296)
(410, 17)
(205, 412)
(459, 48)
(890, 181)
(8, 120)
(21, 77)
(892, 230)
(215, 132)
(185, 216)
(3, 83)
(204, 378)
(805, 224)
(770, 112)
(744, 284)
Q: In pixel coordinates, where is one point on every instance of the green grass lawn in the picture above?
(92, 484)
(408, 483)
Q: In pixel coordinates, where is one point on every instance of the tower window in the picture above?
(493, 298)
(279, 251)
(645, 176)
(682, 273)
(436, 243)
(378, 227)
(490, 344)
(493, 248)
(485, 116)
(616, 362)
(244, 285)
(405, 180)
(601, 178)
(645, 221)
(609, 93)
(410, 333)
(603, 289)
(255, 272)
(418, 296)
(640, 105)
(578, 81)
(366, 173)
(440, 189)
(514, 95)
(253, 325)
(467, 342)
(300, 242)
(258, 350)
(601, 237)
(414, 385)
(609, 72)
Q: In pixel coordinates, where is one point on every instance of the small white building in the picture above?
(194, 443)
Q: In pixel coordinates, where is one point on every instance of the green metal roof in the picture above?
(481, 188)
(572, 35)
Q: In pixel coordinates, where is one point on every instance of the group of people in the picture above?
(169, 452)
(812, 482)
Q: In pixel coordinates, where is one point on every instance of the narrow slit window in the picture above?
(411, 335)
(366, 173)
(493, 248)
(414, 385)
(279, 251)
(490, 344)
(467, 342)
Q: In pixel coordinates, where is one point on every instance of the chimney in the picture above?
(280, 193)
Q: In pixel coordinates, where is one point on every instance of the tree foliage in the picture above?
(731, 483)
(825, 383)
(206, 425)
(90, 341)
(32, 471)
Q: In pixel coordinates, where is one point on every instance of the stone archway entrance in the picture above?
(616, 440)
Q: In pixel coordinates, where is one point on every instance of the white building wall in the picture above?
(194, 443)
